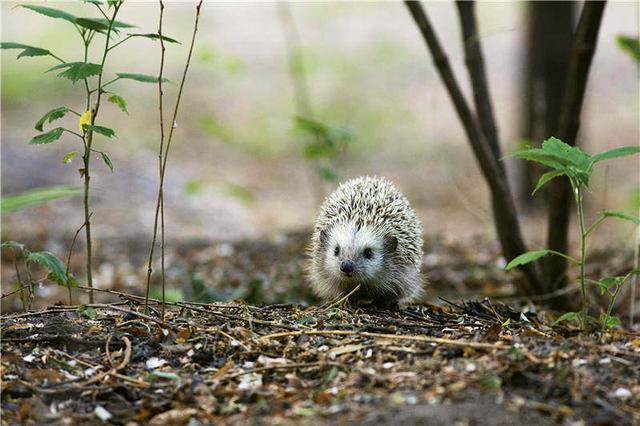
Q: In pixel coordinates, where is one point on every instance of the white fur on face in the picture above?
(351, 244)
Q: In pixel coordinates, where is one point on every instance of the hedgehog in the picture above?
(367, 233)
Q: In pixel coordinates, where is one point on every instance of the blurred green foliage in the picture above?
(629, 45)
(210, 126)
(15, 202)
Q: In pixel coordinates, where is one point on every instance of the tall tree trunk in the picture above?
(548, 51)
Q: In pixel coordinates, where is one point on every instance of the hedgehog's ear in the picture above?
(390, 244)
(324, 237)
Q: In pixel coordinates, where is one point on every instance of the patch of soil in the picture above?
(228, 363)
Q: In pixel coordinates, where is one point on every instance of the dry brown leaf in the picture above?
(177, 416)
(340, 350)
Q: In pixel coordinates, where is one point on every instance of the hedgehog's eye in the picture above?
(368, 253)
(336, 251)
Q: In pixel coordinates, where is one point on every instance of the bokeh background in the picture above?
(237, 170)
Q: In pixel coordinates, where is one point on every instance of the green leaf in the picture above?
(545, 178)
(144, 78)
(155, 36)
(67, 158)
(527, 257)
(606, 283)
(119, 101)
(240, 193)
(313, 127)
(574, 155)
(75, 71)
(211, 126)
(104, 131)
(115, 25)
(57, 270)
(37, 196)
(328, 174)
(316, 150)
(539, 156)
(634, 198)
(622, 215)
(560, 156)
(13, 244)
(193, 187)
(87, 312)
(331, 134)
(26, 50)
(170, 295)
(629, 45)
(615, 153)
(54, 114)
(107, 160)
(326, 140)
(45, 138)
(609, 321)
(72, 280)
(92, 24)
(51, 12)
(569, 316)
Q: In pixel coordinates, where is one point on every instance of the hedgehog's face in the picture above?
(355, 254)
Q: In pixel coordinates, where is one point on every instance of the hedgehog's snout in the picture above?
(347, 266)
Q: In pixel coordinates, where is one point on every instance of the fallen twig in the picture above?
(427, 339)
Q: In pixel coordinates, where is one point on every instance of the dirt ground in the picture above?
(232, 363)
(266, 358)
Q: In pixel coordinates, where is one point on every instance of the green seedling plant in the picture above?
(324, 146)
(577, 166)
(56, 272)
(106, 33)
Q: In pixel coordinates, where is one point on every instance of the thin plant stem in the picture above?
(58, 58)
(107, 83)
(86, 81)
(120, 42)
(73, 243)
(87, 151)
(163, 160)
(583, 311)
(296, 64)
(74, 133)
(593, 226)
(634, 283)
(298, 74)
(21, 289)
(18, 290)
(610, 307)
(569, 258)
(32, 287)
(161, 110)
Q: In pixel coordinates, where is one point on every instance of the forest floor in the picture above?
(272, 362)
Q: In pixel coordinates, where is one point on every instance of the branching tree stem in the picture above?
(506, 220)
